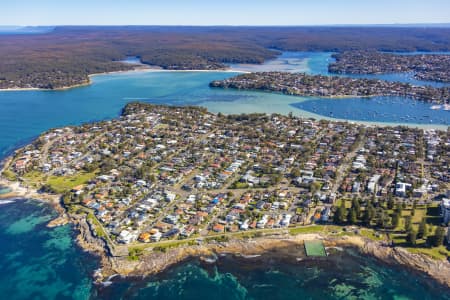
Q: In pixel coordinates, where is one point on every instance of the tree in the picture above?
(390, 204)
(356, 206)
(422, 231)
(340, 214)
(315, 187)
(295, 173)
(395, 220)
(411, 237)
(383, 219)
(439, 236)
(352, 216)
(368, 215)
(408, 223)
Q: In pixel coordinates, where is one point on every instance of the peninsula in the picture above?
(301, 84)
(65, 56)
(429, 67)
(161, 183)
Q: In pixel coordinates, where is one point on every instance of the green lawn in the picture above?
(97, 226)
(348, 203)
(435, 253)
(62, 184)
(370, 234)
(9, 175)
(306, 229)
(34, 178)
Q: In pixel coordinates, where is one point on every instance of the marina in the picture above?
(107, 94)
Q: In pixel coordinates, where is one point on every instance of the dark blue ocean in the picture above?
(42, 263)
(25, 114)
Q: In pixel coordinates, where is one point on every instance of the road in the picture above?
(343, 168)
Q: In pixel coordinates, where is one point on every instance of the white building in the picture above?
(373, 182)
(261, 223)
(286, 220)
(244, 225)
(445, 210)
(126, 237)
(401, 188)
(156, 236)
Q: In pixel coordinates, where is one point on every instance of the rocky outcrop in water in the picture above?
(153, 262)
(438, 269)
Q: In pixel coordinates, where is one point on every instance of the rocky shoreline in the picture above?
(152, 262)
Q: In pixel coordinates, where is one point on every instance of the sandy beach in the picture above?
(140, 69)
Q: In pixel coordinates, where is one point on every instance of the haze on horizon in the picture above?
(231, 12)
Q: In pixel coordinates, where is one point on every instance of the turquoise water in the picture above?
(316, 63)
(4, 190)
(342, 275)
(42, 263)
(25, 114)
(38, 262)
(299, 62)
(400, 77)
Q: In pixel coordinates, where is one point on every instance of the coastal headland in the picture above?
(300, 84)
(161, 184)
(430, 67)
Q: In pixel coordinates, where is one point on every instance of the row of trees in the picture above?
(436, 240)
(379, 217)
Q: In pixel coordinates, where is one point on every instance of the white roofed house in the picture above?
(244, 225)
(126, 237)
(262, 222)
(170, 196)
(286, 220)
(401, 188)
(373, 183)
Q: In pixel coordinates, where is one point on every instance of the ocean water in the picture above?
(342, 275)
(42, 263)
(39, 262)
(26, 114)
(45, 263)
